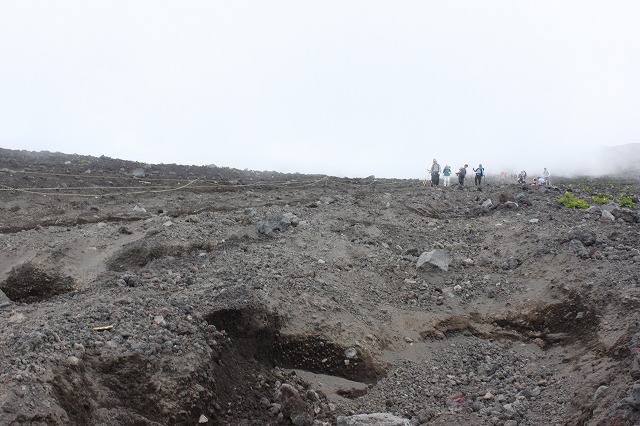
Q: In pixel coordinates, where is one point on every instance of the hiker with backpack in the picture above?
(479, 174)
(435, 173)
(446, 172)
(461, 174)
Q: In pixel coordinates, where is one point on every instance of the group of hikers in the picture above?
(461, 173)
(544, 180)
(479, 175)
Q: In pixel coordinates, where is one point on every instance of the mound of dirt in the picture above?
(168, 294)
(30, 283)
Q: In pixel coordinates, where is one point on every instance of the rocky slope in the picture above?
(167, 294)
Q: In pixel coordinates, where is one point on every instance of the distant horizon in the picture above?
(510, 173)
(335, 88)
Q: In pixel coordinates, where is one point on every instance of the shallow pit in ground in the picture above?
(563, 322)
(256, 333)
(139, 253)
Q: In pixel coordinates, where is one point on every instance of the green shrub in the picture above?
(626, 201)
(602, 199)
(572, 202)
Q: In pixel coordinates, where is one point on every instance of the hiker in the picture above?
(461, 174)
(435, 173)
(546, 175)
(479, 174)
(447, 174)
(522, 177)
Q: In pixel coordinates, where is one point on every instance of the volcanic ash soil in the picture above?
(166, 294)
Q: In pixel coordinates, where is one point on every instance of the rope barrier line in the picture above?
(89, 176)
(164, 188)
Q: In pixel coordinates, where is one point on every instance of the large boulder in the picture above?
(437, 258)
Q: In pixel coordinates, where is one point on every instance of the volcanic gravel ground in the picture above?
(167, 294)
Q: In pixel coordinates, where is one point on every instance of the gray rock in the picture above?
(437, 257)
(277, 222)
(484, 261)
(578, 248)
(634, 399)
(138, 173)
(487, 204)
(511, 264)
(598, 393)
(608, 215)
(588, 238)
(351, 353)
(522, 199)
(510, 205)
(627, 215)
(4, 300)
(506, 196)
(139, 209)
(375, 419)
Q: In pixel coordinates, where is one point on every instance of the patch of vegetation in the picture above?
(84, 162)
(572, 202)
(602, 199)
(626, 201)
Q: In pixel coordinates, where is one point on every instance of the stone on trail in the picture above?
(506, 196)
(510, 205)
(277, 222)
(606, 214)
(627, 215)
(375, 419)
(487, 204)
(578, 248)
(138, 173)
(437, 257)
(588, 238)
(4, 300)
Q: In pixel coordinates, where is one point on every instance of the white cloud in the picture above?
(347, 88)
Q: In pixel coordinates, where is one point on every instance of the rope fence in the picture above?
(159, 185)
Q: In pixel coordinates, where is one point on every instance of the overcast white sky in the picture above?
(347, 88)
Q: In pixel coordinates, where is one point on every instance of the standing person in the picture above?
(546, 175)
(435, 173)
(461, 174)
(479, 174)
(446, 172)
